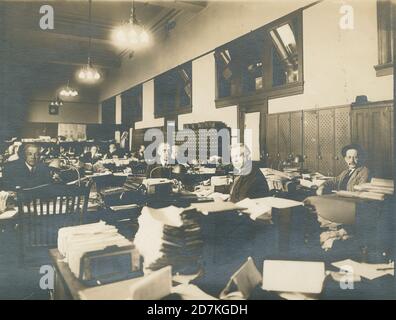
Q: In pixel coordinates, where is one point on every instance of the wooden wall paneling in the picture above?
(263, 135)
(36, 129)
(326, 142)
(284, 136)
(296, 132)
(311, 140)
(360, 127)
(342, 125)
(372, 129)
(272, 140)
(379, 156)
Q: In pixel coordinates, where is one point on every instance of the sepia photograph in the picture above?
(207, 151)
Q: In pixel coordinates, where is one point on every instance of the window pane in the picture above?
(251, 54)
(284, 55)
(224, 73)
(385, 38)
(185, 90)
(173, 89)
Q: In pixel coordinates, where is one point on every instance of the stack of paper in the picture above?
(377, 186)
(361, 194)
(216, 207)
(298, 277)
(169, 236)
(255, 209)
(268, 172)
(74, 242)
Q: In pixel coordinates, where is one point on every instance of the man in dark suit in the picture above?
(162, 168)
(92, 156)
(113, 152)
(249, 181)
(356, 173)
(27, 172)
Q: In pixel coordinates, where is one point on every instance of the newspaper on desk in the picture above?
(369, 271)
(255, 209)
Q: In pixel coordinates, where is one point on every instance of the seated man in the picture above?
(139, 154)
(91, 156)
(27, 172)
(249, 181)
(113, 152)
(355, 174)
(163, 168)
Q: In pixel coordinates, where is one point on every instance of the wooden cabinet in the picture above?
(310, 140)
(326, 131)
(284, 137)
(342, 131)
(372, 128)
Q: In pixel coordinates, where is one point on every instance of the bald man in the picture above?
(27, 172)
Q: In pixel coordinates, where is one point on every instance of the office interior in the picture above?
(302, 89)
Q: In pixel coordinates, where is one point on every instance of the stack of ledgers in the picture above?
(376, 189)
(277, 179)
(74, 242)
(377, 186)
(170, 236)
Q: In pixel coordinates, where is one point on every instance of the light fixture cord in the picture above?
(90, 31)
(132, 18)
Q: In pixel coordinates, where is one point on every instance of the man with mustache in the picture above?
(355, 174)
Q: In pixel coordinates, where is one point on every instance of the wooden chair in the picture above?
(43, 210)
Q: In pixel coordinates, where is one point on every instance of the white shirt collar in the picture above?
(29, 167)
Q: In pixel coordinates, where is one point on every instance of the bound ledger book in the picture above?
(170, 236)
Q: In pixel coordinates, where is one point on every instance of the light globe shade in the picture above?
(88, 75)
(130, 36)
(144, 36)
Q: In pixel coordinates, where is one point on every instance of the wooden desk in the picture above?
(66, 285)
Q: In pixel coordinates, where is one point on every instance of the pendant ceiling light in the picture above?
(131, 35)
(56, 102)
(68, 91)
(88, 74)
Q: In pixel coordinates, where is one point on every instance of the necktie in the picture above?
(344, 182)
(234, 189)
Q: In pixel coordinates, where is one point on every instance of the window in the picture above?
(239, 66)
(263, 62)
(284, 55)
(385, 38)
(173, 91)
(132, 105)
(108, 111)
(225, 73)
